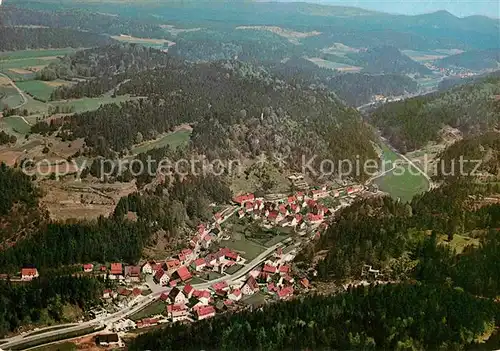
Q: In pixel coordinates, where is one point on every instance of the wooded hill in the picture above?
(383, 317)
(237, 109)
(410, 124)
(473, 60)
(43, 38)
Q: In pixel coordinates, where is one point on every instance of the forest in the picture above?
(471, 108)
(389, 60)
(17, 188)
(473, 60)
(42, 301)
(237, 109)
(406, 316)
(386, 234)
(80, 19)
(21, 38)
(165, 211)
(6, 138)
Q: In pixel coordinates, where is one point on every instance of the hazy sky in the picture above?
(460, 8)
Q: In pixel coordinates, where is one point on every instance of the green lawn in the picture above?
(156, 308)
(459, 242)
(175, 139)
(247, 248)
(404, 182)
(256, 299)
(16, 124)
(36, 88)
(9, 96)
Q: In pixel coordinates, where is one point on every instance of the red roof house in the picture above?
(116, 269)
(88, 267)
(29, 273)
(184, 273)
(205, 312)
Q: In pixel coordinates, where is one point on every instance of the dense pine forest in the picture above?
(237, 109)
(400, 317)
(37, 38)
(43, 300)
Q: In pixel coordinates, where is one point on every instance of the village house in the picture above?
(198, 264)
(172, 264)
(116, 271)
(220, 286)
(235, 295)
(203, 296)
(284, 270)
(242, 199)
(258, 205)
(147, 322)
(319, 194)
(207, 241)
(314, 218)
(147, 268)
(106, 294)
(205, 312)
(285, 293)
(29, 273)
(177, 312)
(176, 296)
(183, 273)
(248, 207)
(188, 291)
(133, 273)
(88, 267)
(250, 287)
(107, 340)
(161, 277)
(241, 213)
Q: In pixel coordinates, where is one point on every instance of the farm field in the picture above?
(404, 182)
(149, 42)
(9, 96)
(40, 89)
(23, 65)
(423, 56)
(16, 124)
(24, 54)
(89, 104)
(334, 65)
(174, 139)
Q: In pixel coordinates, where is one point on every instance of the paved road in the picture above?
(25, 99)
(110, 319)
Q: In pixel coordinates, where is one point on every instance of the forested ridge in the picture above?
(238, 110)
(103, 64)
(381, 317)
(44, 38)
(473, 60)
(80, 19)
(43, 300)
(165, 211)
(410, 124)
(387, 59)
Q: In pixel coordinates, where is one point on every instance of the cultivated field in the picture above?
(150, 42)
(334, 65)
(89, 104)
(40, 89)
(174, 139)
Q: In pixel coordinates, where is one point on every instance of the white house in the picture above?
(177, 297)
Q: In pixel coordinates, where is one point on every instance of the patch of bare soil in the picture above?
(82, 199)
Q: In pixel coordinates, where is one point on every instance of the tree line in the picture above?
(387, 317)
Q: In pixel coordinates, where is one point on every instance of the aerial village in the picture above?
(208, 277)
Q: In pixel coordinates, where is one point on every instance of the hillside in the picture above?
(473, 60)
(410, 124)
(37, 38)
(386, 59)
(238, 110)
